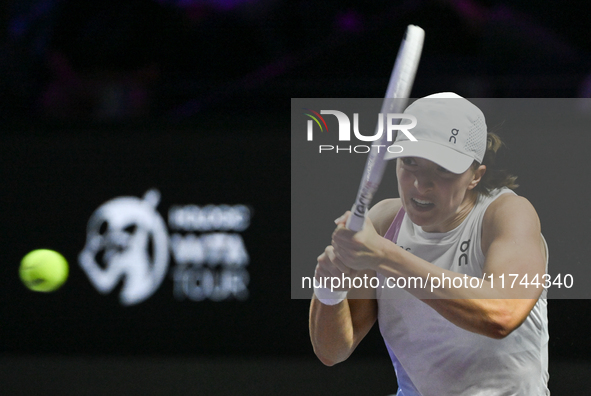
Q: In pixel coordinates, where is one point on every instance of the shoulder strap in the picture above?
(394, 230)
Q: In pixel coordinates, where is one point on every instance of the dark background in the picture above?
(111, 98)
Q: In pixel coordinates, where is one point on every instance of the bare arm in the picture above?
(511, 244)
(336, 330)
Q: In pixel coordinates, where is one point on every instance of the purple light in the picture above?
(220, 5)
(349, 21)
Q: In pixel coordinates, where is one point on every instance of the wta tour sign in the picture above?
(129, 243)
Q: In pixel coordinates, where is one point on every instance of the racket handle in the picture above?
(355, 221)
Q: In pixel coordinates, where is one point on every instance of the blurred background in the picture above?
(119, 115)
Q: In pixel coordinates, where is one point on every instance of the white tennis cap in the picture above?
(450, 131)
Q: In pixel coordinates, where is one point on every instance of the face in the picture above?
(434, 198)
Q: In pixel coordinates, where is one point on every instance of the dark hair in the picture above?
(493, 178)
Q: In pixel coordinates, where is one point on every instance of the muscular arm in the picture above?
(511, 244)
(336, 330)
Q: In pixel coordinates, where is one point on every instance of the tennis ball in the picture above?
(43, 270)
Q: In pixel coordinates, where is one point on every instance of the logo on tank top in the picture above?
(463, 259)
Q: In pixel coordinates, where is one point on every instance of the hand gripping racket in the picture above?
(399, 87)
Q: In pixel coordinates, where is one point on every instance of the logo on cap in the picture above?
(454, 133)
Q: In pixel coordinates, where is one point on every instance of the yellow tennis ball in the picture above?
(43, 270)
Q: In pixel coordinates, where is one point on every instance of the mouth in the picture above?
(422, 204)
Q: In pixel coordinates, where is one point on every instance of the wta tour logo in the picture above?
(393, 122)
(128, 244)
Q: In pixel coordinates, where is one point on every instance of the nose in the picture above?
(423, 182)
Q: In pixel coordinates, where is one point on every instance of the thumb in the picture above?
(343, 218)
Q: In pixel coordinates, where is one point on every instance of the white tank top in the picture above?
(431, 355)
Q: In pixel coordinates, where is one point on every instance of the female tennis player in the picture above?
(456, 267)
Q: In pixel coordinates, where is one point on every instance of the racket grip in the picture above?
(355, 221)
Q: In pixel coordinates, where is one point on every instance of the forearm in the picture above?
(331, 331)
(477, 305)
(494, 318)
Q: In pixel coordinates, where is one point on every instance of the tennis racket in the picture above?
(399, 87)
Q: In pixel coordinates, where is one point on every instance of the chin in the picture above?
(420, 219)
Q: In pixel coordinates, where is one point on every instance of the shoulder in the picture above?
(509, 215)
(382, 214)
(509, 205)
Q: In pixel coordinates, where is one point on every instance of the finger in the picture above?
(325, 257)
(343, 218)
(327, 271)
(321, 272)
(326, 262)
(342, 234)
(337, 261)
(321, 258)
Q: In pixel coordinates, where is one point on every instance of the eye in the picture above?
(409, 161)
(442, 170)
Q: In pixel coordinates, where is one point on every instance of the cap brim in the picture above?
(443, 156)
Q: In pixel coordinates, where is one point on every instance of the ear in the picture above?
(478, 173)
